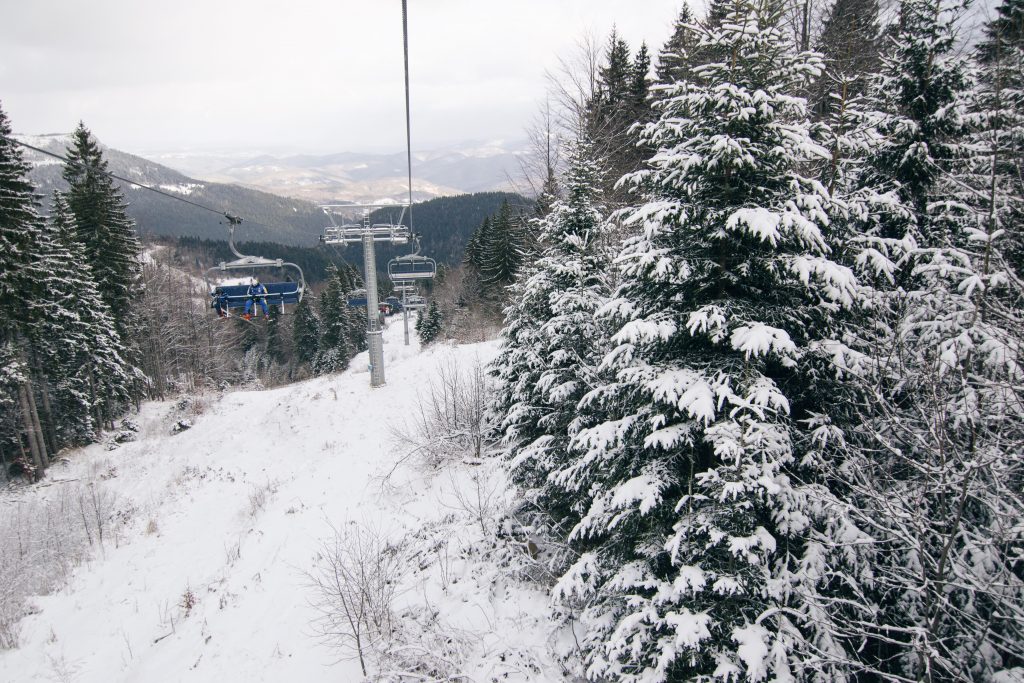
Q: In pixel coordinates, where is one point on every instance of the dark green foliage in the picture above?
(19, 226)
(429, 325)
(335, 346)
(850, 42)
(922, 79)
(306, 331)
(73, 335)
(446, 223)
(998, 121)
(675, 59)
(503, 246)
(104, 229)
(474, 256)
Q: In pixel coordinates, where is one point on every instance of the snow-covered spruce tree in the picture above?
(850, 44)
(20, 225)
(674, 58)
(473, 254)
(73, 335)
(335, 349)
(553, 344)
(430, 327)
(692, 562)
(108, 235)
(931, 474)
(998, 119)
(306, 332)
(503, 248)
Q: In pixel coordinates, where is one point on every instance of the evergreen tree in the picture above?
(614, 83)
(20, 226)
(998, 121)
(675, 59)
(691, 550)
(107, 233)
(74, 336)
(549, 194)
(502, 248)
(850, 43)
(552, 345)
(923, 469)
(473, 256)
(306, 332)
(277, 342)
(619, 101)
(335, 348)
(430, 327)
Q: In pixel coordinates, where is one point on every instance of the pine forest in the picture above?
(758, 382)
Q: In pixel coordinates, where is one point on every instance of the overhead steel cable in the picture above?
(77, 164)
(408, 127)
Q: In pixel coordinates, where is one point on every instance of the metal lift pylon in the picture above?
(368, 235)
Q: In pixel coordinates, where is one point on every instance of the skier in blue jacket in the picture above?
(220, 302)
(257, 294)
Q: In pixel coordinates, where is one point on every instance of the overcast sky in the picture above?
(298, 75)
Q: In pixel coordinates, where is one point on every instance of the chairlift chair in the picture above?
(356, 298)
(415, 302)
(278, 293)
(412, 266)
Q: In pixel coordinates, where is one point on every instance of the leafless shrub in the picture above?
(422, 648)
(259, 496)
(188, 601)
(480, 499)
(95, 505)
(451, 419)
(353, 587)
(43, 539)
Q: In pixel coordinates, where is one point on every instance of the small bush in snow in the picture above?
(180, 426)
(41, 542)
(258, 497)
(124, 436)
(188, 601)
(354, 586)
(451, 421)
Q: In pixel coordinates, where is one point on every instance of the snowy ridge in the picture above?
(233, 512)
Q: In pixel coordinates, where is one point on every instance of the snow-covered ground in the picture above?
(234, 511)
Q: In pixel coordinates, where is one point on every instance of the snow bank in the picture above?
(206, 579)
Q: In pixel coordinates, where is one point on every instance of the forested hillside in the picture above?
(266, 216)
(446, 223)
(757, 402)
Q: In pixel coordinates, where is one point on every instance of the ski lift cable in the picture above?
(408, 127)
(288, 294)
(77, 164)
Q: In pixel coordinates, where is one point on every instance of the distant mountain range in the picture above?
(360, 178)
(265, 216)
(445, 222)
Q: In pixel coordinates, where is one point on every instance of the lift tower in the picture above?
(368, 234)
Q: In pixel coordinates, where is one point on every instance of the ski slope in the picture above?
(234, 511)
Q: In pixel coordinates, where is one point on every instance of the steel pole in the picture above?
(374, 339)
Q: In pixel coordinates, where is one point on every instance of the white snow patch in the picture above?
(234, 510)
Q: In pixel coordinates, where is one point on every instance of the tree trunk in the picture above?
(29, 428)
(49, 419)
(38, 426)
